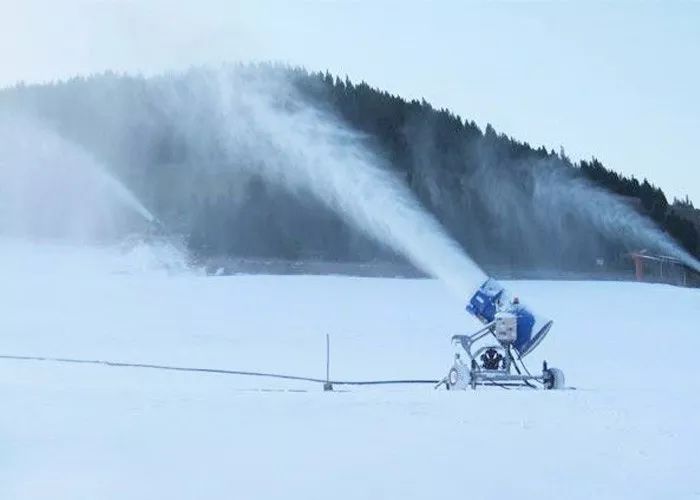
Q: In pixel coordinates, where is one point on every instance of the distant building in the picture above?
(662, 269)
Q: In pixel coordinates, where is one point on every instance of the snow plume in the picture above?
(266, 127)
(72, 260)
(51, 188)
(557, 191)
(572, 211)
(62, 210)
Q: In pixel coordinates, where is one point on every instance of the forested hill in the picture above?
(480, 184)
(455, 145)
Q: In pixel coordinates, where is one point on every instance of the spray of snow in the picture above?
(51, 188)
(71, 260)
(61, 211)
(556, 192)
(307, 150)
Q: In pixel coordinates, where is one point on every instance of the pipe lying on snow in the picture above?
(216, 370)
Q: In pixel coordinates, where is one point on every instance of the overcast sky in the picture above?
(618, 81)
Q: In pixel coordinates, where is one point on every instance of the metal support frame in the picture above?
(471, 373)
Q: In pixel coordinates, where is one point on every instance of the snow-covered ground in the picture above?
(629, 430)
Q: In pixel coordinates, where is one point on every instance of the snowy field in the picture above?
(68, 431)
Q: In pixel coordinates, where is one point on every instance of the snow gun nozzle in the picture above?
(492, 298)
(156, 227)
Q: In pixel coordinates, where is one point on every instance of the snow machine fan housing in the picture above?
(491, 302)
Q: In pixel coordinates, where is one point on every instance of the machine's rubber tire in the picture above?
(452, 378)
(554, 379)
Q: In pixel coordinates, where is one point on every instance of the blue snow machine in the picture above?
(494, 353)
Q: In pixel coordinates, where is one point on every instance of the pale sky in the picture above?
(618, 81)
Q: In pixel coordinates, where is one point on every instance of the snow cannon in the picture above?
(516, 330)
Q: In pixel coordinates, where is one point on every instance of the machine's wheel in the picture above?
(452, 378)
(554, 379)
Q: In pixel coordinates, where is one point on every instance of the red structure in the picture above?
(659, 268)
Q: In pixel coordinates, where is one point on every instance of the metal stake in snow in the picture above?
(328, 386)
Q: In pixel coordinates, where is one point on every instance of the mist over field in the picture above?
(268, 161)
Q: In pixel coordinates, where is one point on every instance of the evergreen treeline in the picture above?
(482, 186)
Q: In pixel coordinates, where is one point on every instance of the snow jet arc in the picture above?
(309, 151)
(50, 187)
(557, 193)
